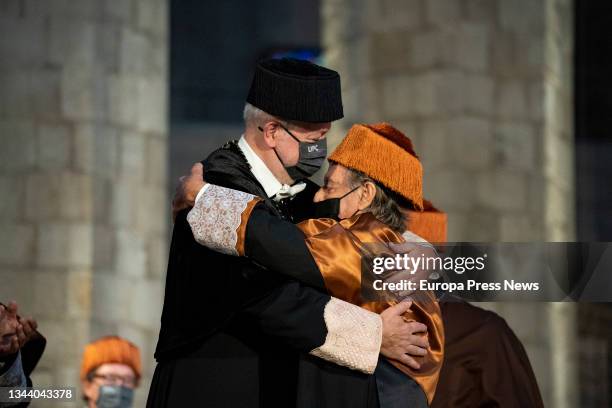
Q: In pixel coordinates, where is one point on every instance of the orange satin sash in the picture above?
(338, 249)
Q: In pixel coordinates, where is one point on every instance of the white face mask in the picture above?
(115, 396)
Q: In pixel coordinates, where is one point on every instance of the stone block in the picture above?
(146, 303)
(13, 287)
(30, 92)
(79, 294)
(156, 160)
(132, 156)
(397, 15)
(159, 59)
(18, 140)
(558, 156)
(424, 50)
(130, 255)
(50, 295)
(118, 10)
(520, 228)
(398, 99)
(126, 202)
(84, 144)
(390, 52)
(521, 15)
(133, 50)
(515, 146)
(481, 10)
(153, 203)
(108, 44)
(511, 100)
(457, 225)
(505, 62)
(426, 94)
(478, 94)
(443, 12)
(55, 196)
(433, 149)
(123, 97)
(22, 41)
(481, 226)
(535, 100)
(98, 149)
(451, 189)
(470, 143)
(54, 146)
(77, 93)
(446, 86)
(16, 244)
(471, 47)
(501, 190)
(72, 41)
(104, 247)
(12, 197)
(67, 245)
(434, 48)
(152, 108)
(145, 15)
(157, 257)
(110, 298)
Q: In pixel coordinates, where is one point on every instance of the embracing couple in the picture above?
(264, 302)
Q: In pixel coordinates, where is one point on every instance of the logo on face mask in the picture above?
(311, 157)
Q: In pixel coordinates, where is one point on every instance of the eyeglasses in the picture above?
(285, 129)
(111, 379)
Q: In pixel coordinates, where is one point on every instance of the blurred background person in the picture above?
(110, 372)
(20, 348)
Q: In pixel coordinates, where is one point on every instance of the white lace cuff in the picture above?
(354, 336)
(216, 218)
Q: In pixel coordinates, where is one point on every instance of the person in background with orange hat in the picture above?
(374, 174)
(110, 372)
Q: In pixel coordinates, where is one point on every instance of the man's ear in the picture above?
(269, 130)
(368, 192)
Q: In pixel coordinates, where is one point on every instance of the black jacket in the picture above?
(230, 335)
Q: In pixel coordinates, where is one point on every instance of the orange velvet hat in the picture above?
(110, 349)
(386, 155)
(429, 224)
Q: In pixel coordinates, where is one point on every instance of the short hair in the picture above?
(386, 205)
(252, 115)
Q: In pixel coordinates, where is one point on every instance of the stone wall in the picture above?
(483, 88)
(83, 203)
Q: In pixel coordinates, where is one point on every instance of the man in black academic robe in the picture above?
(230, 335)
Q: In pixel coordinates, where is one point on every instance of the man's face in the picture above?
(288, 148)
(108, 374)
(336, 185)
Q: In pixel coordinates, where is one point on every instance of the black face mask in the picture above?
(311, 158)
(330, 208)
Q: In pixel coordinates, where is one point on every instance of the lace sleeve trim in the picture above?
(354, 336)
(216, 218)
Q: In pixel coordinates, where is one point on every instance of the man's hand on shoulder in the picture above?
(401, 340)
(188, 189)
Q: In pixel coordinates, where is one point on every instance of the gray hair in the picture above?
(253, 115)
(386, 204)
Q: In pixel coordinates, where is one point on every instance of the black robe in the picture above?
(230, 335)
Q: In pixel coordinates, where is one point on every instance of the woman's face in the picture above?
(337, 184)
